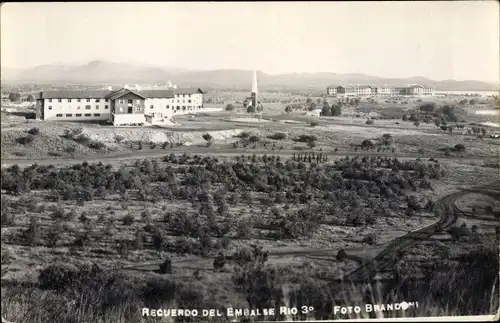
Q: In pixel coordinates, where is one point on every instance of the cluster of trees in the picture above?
(310, 157)
(16, 96)
(333, 110)
(215, 188)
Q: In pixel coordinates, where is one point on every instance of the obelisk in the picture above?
(254, 89)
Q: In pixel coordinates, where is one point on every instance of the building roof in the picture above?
(65, 94)
(106, 94)
(151, 94)
(118, 94)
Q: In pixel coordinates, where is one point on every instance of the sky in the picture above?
(439, 39)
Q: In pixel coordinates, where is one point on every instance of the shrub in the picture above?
(70, 149)
(25, 140)
(370, 239)
(367, 143)
(278, 136)
(244, 135)
(459, 148)
(119, 139)
(128, 219)
(34, 131)
(369, 121)
(306, 138)
(33, 233)
(254, 138)
(56, 277)
(5, 260)
(166, 267)
(96, 145)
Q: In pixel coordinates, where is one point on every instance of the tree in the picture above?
(208, 138)
(309, 101)
(416, 123)
(251, 109)
(219, 261)
(30, 98)
(405, 117)
(367, 143)
(166, 267)
(427, 107)
(472, 102)
(312, 107)
(288, 109)
(229, 107)
(357, 101)
(326, 111)
(459, 148)
(336, 110)
(14, 96)
(414, 117)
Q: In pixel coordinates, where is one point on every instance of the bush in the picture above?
(254, 138)
(369, 121)
(314, 123)
(166, 267)
(128, 219)
(57, 277)
(229, 107)
(277, 136)
(25, 140)
(70, 149)
(367, 143)
(119, 139)
(96, 145)
(306, 138)
(34, 131)
(459, 148)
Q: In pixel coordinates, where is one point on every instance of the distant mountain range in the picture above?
(105, 72)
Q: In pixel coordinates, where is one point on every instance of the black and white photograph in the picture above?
(250, 161)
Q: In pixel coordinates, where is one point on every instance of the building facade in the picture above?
(368, 90)
(124, 107)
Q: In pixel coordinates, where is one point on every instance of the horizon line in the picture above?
(188, 70)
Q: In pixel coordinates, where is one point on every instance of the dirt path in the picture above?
(387, 257)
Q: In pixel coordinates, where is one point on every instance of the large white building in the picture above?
(368, 90)
(124, 107)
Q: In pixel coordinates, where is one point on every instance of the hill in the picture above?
(105, 72)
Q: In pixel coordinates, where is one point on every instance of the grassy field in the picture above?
(98, 242)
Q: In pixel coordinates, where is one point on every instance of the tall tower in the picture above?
(254, 89)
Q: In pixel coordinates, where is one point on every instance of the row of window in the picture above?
(87, 107)
(69, 115)
(80, 100)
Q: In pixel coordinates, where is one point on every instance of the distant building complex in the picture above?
(124, 107)
(368, 90)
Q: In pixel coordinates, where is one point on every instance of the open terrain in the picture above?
(244, 210)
